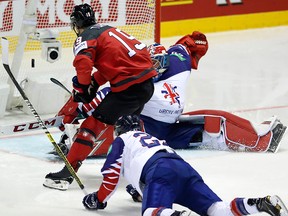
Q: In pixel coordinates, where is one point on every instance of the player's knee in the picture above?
(86, 137)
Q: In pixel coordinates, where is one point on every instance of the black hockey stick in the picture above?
(5, 52)
(57, 82)
(98, 142)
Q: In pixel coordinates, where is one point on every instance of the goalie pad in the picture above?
(238, 134)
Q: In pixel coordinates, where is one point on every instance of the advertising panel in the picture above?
(181, 16)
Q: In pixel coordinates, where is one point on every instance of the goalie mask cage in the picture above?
(26, 23)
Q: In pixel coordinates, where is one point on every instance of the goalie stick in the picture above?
(18, 128)
(5, 51)
(98, 141)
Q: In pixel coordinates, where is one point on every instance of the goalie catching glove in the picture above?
(91, 202)
(197, 46)
(84, 93)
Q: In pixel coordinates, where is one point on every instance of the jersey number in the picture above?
(147, 140)
(131, 52)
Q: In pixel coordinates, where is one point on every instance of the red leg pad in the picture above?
(84, 140)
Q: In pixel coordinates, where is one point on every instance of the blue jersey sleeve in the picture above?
(179, 61)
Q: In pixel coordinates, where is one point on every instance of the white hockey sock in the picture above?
(158, 211)
(252, 209)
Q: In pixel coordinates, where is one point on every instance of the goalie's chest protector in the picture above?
(167, 102)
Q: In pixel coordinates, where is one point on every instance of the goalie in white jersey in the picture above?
(162, 177)
(211, 129)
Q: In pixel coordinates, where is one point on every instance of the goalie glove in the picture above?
(84, 93)
(197, 46)
(91, 202)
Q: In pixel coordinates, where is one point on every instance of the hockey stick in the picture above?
(98, 142)
(30, 126)
(5, 51)
(57, 82)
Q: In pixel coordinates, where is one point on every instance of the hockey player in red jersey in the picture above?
(163, 178)
(113, 56)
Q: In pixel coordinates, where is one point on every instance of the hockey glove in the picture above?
(83, 93)
(197, 46)
(134, 193)
(91, 202)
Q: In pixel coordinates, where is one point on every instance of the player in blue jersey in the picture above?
(162, 177)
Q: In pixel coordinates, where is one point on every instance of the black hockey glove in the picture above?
(134, 193)
(91, 202)
(84, 93)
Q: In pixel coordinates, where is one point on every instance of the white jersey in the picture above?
(167, 102)
(139, 148)
(129, 153)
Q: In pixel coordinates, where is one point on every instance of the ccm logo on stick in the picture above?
(32, 126)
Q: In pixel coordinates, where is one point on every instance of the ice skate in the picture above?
(59, 180)
(278, 133)
(181, 213)
(272, 205)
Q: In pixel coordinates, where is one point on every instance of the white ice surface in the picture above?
(244, 71)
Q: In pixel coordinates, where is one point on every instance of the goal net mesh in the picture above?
(136, 17)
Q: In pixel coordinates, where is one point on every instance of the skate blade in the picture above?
(279, 139)
(275, 200)
(56, 184)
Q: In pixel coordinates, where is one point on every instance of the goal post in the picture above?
(34, 26)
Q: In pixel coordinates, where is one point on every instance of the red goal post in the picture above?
(21, 22)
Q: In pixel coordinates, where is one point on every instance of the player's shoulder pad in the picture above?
(179, 51)
(178, 48)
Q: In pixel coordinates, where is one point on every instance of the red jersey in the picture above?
(118, 57)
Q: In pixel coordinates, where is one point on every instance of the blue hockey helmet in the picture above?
(127, 123)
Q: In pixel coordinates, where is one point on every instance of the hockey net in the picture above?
(21, 19)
